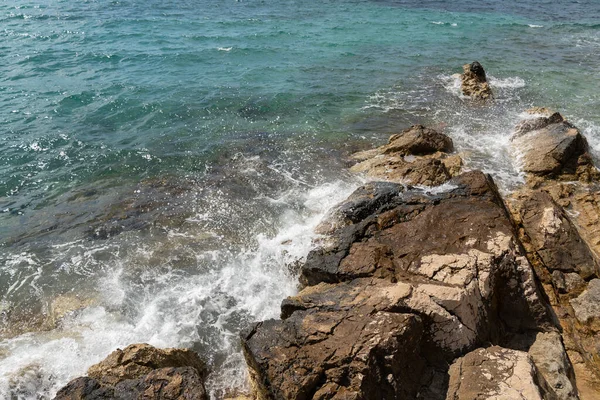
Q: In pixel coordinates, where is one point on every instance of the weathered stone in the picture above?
(141, 371)
(587, 305)
(84, 388)
(416, 140)
(474, 82)
(555, 372)
(552, 236)
(493, 373)
(427, 170)
(137, 360)
(551, 147)
(331, 352)
(417, 156)
(160, 384)
(573, 282)
(539, 122)
(460, 237)
(362, 202)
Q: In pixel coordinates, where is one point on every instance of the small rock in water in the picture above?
(474, 82)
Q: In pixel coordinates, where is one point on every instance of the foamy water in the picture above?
(167, 307)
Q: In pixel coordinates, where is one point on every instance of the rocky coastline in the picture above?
(426, 283)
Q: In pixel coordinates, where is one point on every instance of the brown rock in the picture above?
(403, 287)
(416, 156)
(460, 237)
(137, 360)
(587, 306)
(493, 373)
(474, 82)
(555, 373)
(183, 383)
(141, 371)
(551, 147)
(354, 349)
(552, 236)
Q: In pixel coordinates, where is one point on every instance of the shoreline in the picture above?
(465, 275)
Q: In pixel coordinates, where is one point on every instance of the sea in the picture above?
(163, 164)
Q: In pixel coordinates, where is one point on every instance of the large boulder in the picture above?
(474, 82)
(337, 345)
(461, 238)
(551, 147)
(549, 233)
(141, 371)
(409, 280)
(418, 156)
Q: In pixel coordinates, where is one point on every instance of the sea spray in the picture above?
(168, 307)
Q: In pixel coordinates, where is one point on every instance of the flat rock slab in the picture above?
(494, 373)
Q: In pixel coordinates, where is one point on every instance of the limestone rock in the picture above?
(551, 147)
(555, 371)
(552, 235)
(493, 373)
(587, 305)
(407, 285)
(141, 371)
(474, 82)
(322, 353)
(184, 383)
(137, 360)
(461, 238)
(416, 156)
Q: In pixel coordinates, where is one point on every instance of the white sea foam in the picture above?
(164, 306)
(535, 26)
(513, 82)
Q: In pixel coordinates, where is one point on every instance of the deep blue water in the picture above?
(153, 151)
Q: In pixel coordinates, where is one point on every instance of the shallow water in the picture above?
(162, 164)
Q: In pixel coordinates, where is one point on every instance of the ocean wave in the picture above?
(513, 82)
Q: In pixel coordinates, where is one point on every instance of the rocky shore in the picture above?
(426, 283)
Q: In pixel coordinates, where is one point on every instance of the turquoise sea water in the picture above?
(162, 164)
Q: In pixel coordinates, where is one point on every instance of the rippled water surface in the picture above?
(162, 164)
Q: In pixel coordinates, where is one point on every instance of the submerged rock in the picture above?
(417, 156)
(141, 371)
(474, 82)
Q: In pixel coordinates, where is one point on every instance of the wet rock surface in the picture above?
(418, 156)
(141, 371)
(474, 82)
(426, 276)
